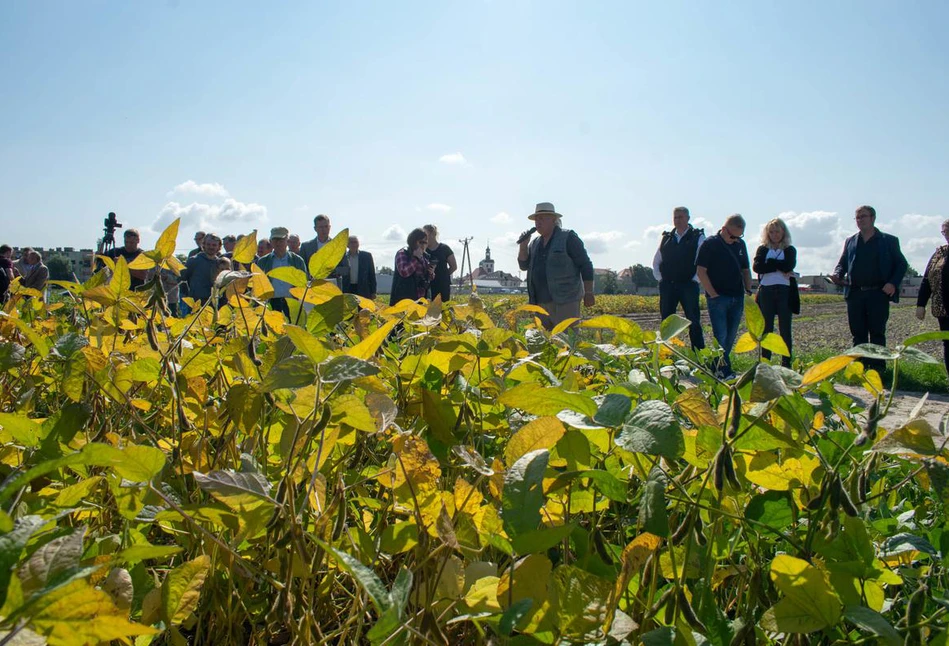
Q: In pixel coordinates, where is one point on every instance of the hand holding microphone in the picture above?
(526, 235)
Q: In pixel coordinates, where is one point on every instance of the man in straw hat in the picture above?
(559, 271)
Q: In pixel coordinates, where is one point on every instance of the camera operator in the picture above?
(130, 251)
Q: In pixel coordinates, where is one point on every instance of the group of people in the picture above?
(870, 270)
(29, 268)
(422, 269)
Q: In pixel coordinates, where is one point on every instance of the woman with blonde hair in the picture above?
(774, 263)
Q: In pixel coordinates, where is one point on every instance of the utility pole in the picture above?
(465, 256)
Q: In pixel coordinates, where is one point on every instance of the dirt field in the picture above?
(822, 327)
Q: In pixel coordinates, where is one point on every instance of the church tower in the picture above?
(487, 265)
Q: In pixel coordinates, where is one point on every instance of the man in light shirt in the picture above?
(281, 256)
(674, 268)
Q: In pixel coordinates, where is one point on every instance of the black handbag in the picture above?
(794, 297)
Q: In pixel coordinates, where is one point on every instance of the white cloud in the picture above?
(501, 218)
(395, 232)
(441, 208)
(456, 159)
(600, 241)
(191, 187)
(211, 217)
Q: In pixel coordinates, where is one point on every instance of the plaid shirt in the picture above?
(408, 265)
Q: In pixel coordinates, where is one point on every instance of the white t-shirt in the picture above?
(774, 277)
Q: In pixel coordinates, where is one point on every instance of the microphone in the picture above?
(526, 235)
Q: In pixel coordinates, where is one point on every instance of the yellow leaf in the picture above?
(290, 275)
(181, 589)
(632, 559)
(173, 264)
(746, 343)
(77, 613)
(810, 602)
(167, 240)
(366, 348)
(776, 344)
(246, 248)
(541, 433)
(142, 262)
(825, 369)
(531, 580)
(306, 343)
(537, 400)
(483, 595)
(693, 405)
(121, 279)
(259, 283)
(319, 292)
(764, 470)
(563, 325)
(324, 261)
(873, 383)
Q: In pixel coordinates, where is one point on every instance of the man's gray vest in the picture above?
(563, 275)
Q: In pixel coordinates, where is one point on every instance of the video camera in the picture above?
(110, 224)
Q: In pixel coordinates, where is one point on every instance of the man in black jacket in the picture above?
(674, 268)
(362, 270)
(871, 268)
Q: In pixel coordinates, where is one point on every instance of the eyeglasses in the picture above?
(733, 236)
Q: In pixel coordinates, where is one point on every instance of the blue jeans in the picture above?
(725, 314)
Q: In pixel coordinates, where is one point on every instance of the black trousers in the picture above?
(280, 305)
(774, 300)
(944, 326)
(687, 293)
(867, 313)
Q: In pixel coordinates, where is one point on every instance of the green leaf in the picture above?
(653, 517)
(324, 261)
(924, 337)
(11, 355)
(776, 344)
(363, 575)
(871, 351)
(181, 589)
(613, 410)
(11, 546)
(238, 490)
(514, 614)
(147, 370)
(537, 400)
(346, 368)
(771, 508)
(146, 552)
(244, 406)
(652, 429)
(915, 354)
(907, 543)
(583, 600)
(754, 321)
(874, 623)
(768, 384)
(21, 428)
(664, 636)
(51, 562)
(523, 493)
(673, 326)
(295, 372)
(607, 484)
(540, 540)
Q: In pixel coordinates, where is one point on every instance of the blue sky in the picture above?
(386, 116)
